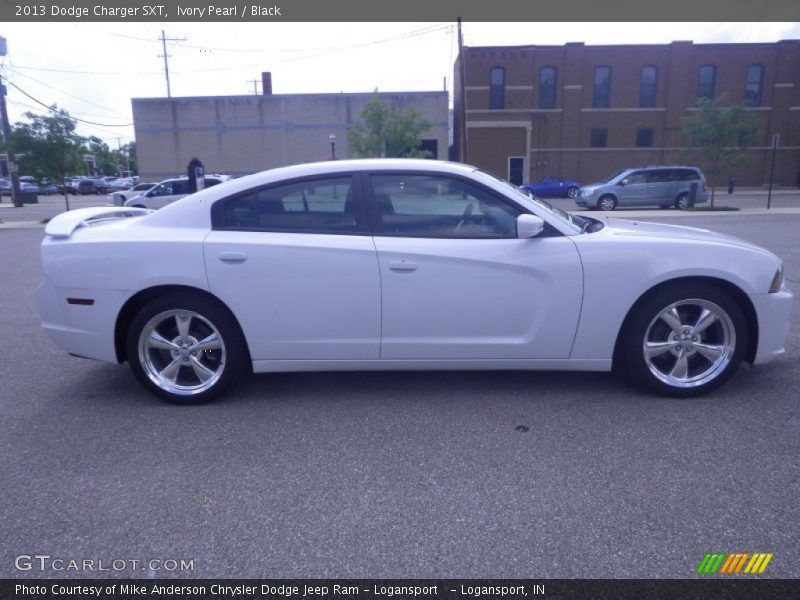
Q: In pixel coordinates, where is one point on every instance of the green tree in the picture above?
(384, 132)
(127, 157)
(51, 147)
(720, 135)
(105, 159)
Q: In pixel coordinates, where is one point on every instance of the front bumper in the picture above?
(773, 312)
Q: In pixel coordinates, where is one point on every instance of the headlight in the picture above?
(777, 281)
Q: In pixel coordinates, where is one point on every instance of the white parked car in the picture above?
(401, 264)
(119, 197)
(169, 191)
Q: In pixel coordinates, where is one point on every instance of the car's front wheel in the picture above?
(607, 203)
(684, 340)
(186, 348)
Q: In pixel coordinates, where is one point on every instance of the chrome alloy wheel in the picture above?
(607, 203)
(181, 352)
(689, 343)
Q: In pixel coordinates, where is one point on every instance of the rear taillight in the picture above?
(705, 186)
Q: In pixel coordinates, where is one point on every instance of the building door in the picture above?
(516, 167)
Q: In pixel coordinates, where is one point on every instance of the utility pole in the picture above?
(462, 59)
(775, 141)
(255, 85)
(127, 159)
(164, 41)
(16, 196)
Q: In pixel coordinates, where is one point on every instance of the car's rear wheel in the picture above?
(572, 192)
(607, 202)
(685, 340)
(185, 348)
(682, 201)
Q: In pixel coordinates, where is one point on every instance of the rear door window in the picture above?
(309, 206)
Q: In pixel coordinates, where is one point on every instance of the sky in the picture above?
(94, 69)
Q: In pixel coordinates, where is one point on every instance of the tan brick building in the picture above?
(584, 112)
(237, 135)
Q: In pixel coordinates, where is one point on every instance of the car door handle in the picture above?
(403, 266)
(233, 257)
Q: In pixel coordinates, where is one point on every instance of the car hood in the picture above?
(628, 228)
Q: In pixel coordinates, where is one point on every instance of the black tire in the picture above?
(207, 316)
(645, 325)
(682, 201)
(607, 203)
(572, 192)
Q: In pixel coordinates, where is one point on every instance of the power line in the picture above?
(115, 73)
(50, 108)
(111, 110)
(310, 55)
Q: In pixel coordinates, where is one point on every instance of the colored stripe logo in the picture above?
(734, 563)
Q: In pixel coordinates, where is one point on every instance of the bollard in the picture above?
(731, 184)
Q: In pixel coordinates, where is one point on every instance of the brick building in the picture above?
(584, 112)
(238, 135)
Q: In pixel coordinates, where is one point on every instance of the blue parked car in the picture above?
(553, 187)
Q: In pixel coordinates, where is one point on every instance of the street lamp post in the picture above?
(332, 138)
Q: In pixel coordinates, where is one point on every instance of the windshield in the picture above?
(527, 198)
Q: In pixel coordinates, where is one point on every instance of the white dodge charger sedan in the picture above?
(401, 264)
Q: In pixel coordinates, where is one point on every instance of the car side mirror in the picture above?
(529, 226)
(623, 183)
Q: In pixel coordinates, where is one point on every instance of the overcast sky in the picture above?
(94, 69)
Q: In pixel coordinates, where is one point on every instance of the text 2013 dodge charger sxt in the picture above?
(401, 264)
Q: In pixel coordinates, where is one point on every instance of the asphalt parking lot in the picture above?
(503, 474)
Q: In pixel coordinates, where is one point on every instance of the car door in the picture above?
(456, 281)
(632, 190)
(297, 266)
(557, 187)
(660, 183)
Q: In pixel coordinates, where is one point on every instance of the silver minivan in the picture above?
(662, 186)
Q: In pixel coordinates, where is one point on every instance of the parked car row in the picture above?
(28, 184)
(662, 185)
(166, 192)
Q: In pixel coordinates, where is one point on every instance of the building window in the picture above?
(602, 87)
(547, 87)
(497, 87)
(644, 138)
(754, 83)
(705, 81)
(599, 138)
(648, 87)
